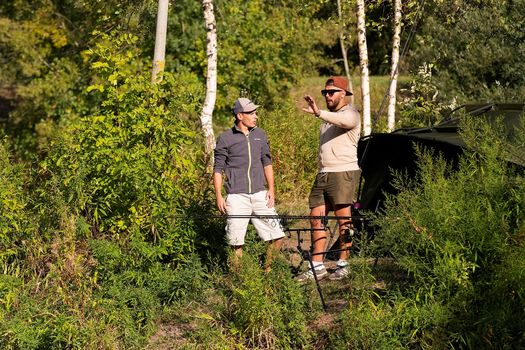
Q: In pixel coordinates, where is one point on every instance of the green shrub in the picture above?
(266, 310)
(130, 164)
(393, 322)
(96, 235)
(17, 225)
(455, 232)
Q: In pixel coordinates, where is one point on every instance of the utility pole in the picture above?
(160, 40)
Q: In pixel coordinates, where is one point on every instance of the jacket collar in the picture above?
(235, 128)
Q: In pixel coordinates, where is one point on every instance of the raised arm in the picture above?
(349, 119)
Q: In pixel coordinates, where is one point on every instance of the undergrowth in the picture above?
(249, 308)
(457, 231)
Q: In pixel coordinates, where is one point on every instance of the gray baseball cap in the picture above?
(244, 105)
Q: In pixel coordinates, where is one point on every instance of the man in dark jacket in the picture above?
(242, 155)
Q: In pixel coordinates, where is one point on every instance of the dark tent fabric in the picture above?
(383, 154)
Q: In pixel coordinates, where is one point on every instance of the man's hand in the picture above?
(270, 198)
(221, 204)
(217, 185)
(312, 106)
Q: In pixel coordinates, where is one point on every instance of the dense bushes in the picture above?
(127, 165)
(474, 61)
(91, 244)
(458, 234)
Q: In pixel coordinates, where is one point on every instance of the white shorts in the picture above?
(250, 204)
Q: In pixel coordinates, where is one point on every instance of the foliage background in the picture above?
(108, 229)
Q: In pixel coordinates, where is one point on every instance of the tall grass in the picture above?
(248, 308)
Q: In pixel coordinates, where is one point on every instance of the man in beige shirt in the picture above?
(335, 184)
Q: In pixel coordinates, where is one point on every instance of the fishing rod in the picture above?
(324, 218)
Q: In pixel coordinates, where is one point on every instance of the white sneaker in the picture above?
(309, 275)
(339, 273)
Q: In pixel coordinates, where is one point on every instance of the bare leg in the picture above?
(237, 249)
(344, 225)
(237, 254)
(273, 247)
(319, 233)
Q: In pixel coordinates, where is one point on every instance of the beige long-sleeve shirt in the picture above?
(339, 136)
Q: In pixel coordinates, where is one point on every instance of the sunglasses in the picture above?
(329, 92)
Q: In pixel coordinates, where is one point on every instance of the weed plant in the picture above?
(17, 228)
(266, 310)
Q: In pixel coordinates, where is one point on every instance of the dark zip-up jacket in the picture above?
(242, 159)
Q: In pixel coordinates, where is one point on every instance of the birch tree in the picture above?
(160, 40)
(344, 51)
(363, 64)
(394, 68)
(211, 80)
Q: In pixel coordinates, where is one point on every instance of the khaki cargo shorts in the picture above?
(334, 188)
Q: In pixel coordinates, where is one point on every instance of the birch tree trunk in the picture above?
(211, 81)
(160, 40)
(344, 52)
(363, 64)
(395, 64)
